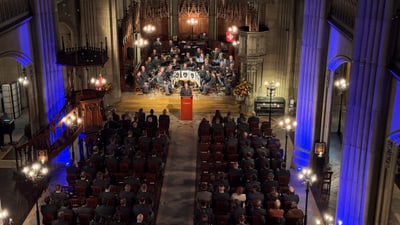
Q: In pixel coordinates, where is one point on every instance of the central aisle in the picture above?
(178, 191)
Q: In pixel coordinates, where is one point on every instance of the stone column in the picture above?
(173, 18)
(48, 73)
(311, 82)
(99, 28)
(252, 51)
(212, 20)
(366, 116)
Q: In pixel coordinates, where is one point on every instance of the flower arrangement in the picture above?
(243, 89)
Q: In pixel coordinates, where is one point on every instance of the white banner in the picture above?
(185, 75)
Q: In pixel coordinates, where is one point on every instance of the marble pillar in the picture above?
(366, 116)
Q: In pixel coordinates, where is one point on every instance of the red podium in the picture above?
(186, 108)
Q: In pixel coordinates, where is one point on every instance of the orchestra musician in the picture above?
(208, 70)
(208, 85)
(163, 81)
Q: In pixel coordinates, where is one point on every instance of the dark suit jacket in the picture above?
(186, 91)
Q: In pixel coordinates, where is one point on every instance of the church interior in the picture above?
(226, 112)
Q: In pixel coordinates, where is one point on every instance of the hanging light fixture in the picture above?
(23, 79)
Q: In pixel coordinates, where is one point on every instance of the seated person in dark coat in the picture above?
(48, 208)
(291, 196)
(294, 213)
(144, 208)
(60, 220)
(257, 210)
(204, 127)
(107, 197)
(217, 129)
(164, 120)
(84, 209)
(58, 197)
(220, 194)
(128, 195)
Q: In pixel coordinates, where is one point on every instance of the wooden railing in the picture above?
(27, 153)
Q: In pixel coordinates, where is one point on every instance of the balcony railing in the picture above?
(342, 14)
(13, 12)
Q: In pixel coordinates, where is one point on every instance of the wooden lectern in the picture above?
(186, 107)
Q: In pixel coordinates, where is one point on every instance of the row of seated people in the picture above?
(112, 168)
(265, 187)
(112, 205)
(223, 127)
(135, 126)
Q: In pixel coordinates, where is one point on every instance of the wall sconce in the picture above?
(319, 148)
(42, 156)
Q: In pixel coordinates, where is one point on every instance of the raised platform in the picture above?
(132, 102)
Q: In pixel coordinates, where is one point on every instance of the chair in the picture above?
(164, 126)
(71, 178)
(294, 221)
(218, 147)
(111, 166)
(220, 166)
(69, 217)
(84, 219)
(232, 157)
(120, 177)
(326, 182)
(96, 190)
(75, 202)
(204, 156)
(221, 207)
(124, 166)
(80, 191)
(270, 204)
(139, 167)
(275, 220)
(67, 189)
(219, 139)
(205, 176)
(205, 138)
(151, 177)
(92, 202)
(283, 184)
(218, 156)
(235, 179)
(221, 219)
(204, 147)
(48, 218)
(204, 166)
(115, 188)
(230, 132)
(231, 149)
(257, 220)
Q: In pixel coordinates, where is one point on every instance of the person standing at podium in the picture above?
(186, 90)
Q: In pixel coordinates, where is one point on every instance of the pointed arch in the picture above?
(19, 56)
(334, 63)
